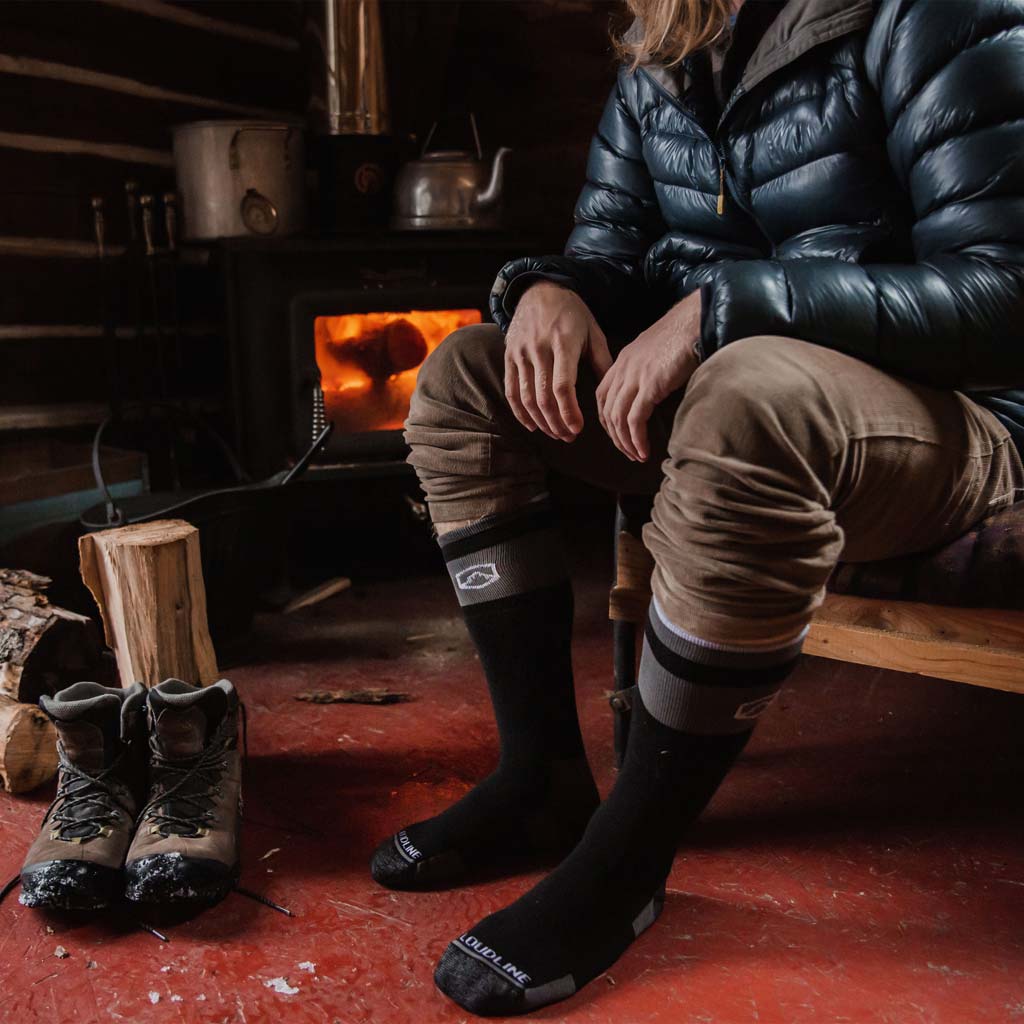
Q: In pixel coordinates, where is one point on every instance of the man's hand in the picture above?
(550, 333)
(646, 372)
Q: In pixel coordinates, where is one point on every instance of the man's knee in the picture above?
(754, 375)
(469, 361)
(755, 396)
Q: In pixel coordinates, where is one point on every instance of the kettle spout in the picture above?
(492, 193)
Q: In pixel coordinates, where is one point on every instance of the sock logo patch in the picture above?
(754, 708)
(484, 952)
(476, 577)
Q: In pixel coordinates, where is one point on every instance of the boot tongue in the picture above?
(87, 717)
(185, 717)
(184, 721)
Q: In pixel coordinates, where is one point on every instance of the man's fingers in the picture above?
(527, 397)
(515, 401)
(636, 420)
(563, 384)
(605, 392)
(617, 418)
(545, 395)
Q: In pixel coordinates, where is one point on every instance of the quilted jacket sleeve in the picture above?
(950, 77)
(617, 219)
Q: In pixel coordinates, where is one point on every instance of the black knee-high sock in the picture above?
(510, 576)
(693, 716)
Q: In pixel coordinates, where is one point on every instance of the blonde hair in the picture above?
(668, 31)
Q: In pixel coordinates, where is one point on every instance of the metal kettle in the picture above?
(450, 189)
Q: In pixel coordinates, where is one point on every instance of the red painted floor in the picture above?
(863, 863)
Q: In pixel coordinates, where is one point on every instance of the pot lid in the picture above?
(247, 125)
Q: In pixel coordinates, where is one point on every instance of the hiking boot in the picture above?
(76, 860)
(185, 848)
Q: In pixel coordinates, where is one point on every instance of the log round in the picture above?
(147, 580)
(28, 746)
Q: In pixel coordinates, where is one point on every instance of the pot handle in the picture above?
(235, 161)
(476, 137)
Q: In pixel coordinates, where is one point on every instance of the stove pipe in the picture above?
(356, 91)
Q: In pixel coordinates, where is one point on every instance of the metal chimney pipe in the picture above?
(356, 88)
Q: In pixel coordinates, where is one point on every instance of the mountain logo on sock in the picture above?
(484, 952)
(754, 708)
(476, 577)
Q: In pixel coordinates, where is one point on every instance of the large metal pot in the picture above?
(241, 178)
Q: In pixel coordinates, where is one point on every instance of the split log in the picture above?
(42, 647)
(147, 580)
(28, 746)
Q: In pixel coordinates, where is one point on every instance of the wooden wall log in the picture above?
(28, 746)
(148, 582)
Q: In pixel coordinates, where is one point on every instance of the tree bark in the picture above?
(148, 582)
(42, 647)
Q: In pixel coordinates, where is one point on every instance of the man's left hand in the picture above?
(645, 373)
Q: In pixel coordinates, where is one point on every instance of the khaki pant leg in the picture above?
(475, 459)
(786, 456)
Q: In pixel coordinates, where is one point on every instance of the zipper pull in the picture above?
(721, 189)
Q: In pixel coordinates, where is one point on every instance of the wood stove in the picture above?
(336, 329)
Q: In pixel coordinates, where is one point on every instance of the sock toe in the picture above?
(477, 987)
(482, 988)
(392, 869)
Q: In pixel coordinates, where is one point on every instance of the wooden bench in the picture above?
(970, 629)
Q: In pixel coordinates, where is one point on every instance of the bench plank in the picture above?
(983, 647)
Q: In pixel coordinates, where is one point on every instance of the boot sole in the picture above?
(172, 878)
(69, 885)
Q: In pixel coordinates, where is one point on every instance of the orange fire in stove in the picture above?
(368, 362)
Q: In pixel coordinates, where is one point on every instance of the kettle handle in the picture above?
(476, 137)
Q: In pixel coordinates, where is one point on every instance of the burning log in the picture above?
(148, 582)
(382, 351)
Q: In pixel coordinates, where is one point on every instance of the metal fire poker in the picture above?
(111, 344)
(171, 231)
(153, 274)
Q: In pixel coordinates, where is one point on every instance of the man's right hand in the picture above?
(550, 333)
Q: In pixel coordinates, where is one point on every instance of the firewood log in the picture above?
(42, 647)
(147, 580)
(28, 746)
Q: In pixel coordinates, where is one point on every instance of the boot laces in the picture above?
(184, 795)
(83, 791)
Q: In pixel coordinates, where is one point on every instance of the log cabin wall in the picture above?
(90, 92)
(91, 89)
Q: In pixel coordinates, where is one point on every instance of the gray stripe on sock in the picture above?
(722, 659)
(645, 918)
(700, 709)
(552, 992)
(528, 562)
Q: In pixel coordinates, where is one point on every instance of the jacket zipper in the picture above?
(724, 179)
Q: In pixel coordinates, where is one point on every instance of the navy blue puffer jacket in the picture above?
(862, 188)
